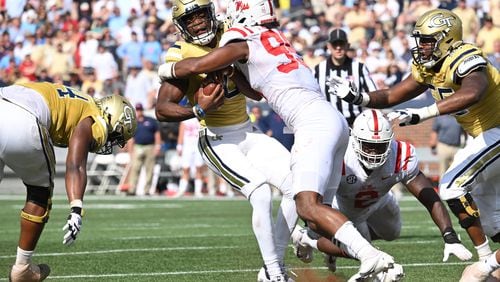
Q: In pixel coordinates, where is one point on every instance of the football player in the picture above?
(464, 84)
(374, 162)
(265, 59)
(36, 116)
(230, 145)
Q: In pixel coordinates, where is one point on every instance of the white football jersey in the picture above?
(358, 190)
(275, 69)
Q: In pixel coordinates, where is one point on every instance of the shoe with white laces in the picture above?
(475, 273)
(29, 272)
(303, 251)
(263, 276)
(371, 267)
(331, 262)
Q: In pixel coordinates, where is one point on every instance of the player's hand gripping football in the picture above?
(210, 96)
(344, 89)
(73, 226)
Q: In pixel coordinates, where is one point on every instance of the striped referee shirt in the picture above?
(351, 70)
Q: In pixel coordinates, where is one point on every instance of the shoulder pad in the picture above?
(470, 64)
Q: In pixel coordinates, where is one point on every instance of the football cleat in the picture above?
(475, 273)
(303, 251)
(394, 274)
(263, 276)
(331, 262)
(371, 267)
(29, 272)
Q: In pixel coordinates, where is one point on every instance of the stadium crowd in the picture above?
(113, 47)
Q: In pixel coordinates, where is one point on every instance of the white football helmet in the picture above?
(250, 12)
(182, 12)
(372, 134)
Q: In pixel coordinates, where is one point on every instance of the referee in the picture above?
(341, 65)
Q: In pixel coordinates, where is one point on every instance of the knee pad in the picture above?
(40, 196)
(464, 205)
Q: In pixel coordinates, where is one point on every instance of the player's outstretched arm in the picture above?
(422, 188)
(217, 59)
(80, 143)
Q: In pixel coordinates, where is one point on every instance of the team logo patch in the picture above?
(351, 179)
(440, 20)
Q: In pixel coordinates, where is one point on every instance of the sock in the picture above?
(23, 257)
(353, 243)
(313, 243)
(198, 186)
(285, 222)
(492, 263)
(262, 225)
(483, 250)
(183, 183)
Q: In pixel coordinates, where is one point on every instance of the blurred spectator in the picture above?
(130, 53)
(9, 57)
(127, 32)
(487, 35)
(359, 19)
(28, 68)
(494, 57)
(91, 84)
(104, 64)
(116, 21)
(151, 49)
(447, 137)
(394, 75)
(191, 160)
(339, 64)
(146, 145)
(470, 22)
(386, 12)
(312, 57)
(256, 116)
(87, 49)
(138, 87)
(44, 76)
(60, 63)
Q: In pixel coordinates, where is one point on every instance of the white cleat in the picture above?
(369, 268)
(475, 273)
(29, 273)
(303, 251)
(394, 274)
(331, 262)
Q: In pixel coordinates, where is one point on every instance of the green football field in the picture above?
(159, 239)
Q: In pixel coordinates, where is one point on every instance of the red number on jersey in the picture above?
(281, 47)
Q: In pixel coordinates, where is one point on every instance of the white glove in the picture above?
(166, 71)
(458, 250)
(410, 116)
(345, 90)
(73, 226)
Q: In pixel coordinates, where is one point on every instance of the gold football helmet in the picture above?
(120, 118)
(183, 10)
(437, 33)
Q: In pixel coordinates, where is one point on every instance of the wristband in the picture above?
(428, 112)
(198, 112)
(365, 99)
(167, 70)
(450, 236)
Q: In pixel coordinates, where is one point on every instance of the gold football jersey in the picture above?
(67, 108)
(462, 61)
(233, 111)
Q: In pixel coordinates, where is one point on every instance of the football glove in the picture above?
(346, 91)
(73, 226)
(456, 249)
(410, 116)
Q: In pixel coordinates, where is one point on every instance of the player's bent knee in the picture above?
(40, 196)
(464, 204)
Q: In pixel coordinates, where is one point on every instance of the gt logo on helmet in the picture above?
(440, 20)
